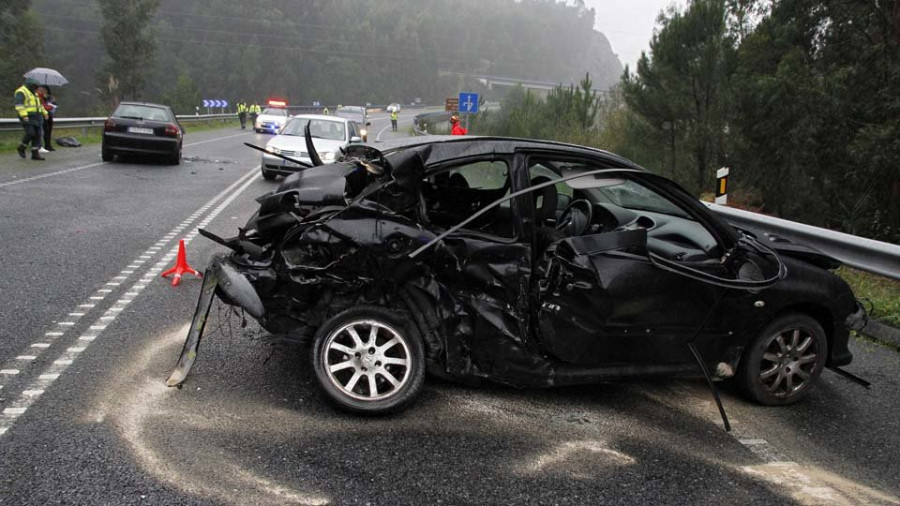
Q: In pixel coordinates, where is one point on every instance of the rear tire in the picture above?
(268, 176)
(783, 363)
(369, 360)
(107, 155)
(175, 159)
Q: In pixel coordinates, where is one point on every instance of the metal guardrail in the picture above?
(858, 252)
(12, 124)
(421, 121)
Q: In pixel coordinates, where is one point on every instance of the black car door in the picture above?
(598, 298)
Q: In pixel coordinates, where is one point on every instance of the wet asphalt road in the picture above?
(250, 427)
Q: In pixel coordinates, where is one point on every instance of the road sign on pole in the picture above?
(451, 104)
(468, 102)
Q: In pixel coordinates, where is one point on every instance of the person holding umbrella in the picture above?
(31, 114)
(31, 110)
(49, 104)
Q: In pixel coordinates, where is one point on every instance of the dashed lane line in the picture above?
(97, 164)
(21, 404)
(69, 322)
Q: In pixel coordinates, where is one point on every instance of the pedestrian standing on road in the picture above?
(255, 110)
(242, 113)
(49, 104)
(394, 116)
(457, 128)
(30, 113)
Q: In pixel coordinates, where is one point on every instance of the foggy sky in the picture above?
(628, 24)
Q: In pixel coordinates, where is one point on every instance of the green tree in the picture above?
(130, 45)
(681, 89)
(21, 43)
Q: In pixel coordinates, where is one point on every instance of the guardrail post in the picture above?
(722, 186)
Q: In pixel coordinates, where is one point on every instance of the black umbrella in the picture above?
(47, 77)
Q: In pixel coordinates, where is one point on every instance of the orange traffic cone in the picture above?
(181, 266)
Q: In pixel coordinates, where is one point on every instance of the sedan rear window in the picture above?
(275, 111)
(142, 112)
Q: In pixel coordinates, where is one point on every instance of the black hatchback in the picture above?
(137, 128)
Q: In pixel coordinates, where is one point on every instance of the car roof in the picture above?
(320, 116)
(441, 148)
(150, 104)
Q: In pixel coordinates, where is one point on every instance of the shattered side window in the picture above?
(454, 194)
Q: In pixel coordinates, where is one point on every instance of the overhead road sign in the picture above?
(468, 102)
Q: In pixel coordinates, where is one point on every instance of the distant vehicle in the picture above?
(330, 134)
(138, 128)
(271, 120)
(393, 107)
(357, 114)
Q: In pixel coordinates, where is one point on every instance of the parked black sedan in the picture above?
(522, 262)
(138, 128)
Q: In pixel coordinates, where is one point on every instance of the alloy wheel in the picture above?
(788, 362)
(367, 360)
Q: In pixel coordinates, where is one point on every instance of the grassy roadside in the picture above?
(9, 140)
(884, 293)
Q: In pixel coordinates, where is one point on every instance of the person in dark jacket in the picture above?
(49, 104)
(31, 114)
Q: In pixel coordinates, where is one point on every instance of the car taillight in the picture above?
(172, 131)
(110, 125)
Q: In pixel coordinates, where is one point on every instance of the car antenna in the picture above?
(311, 148)
(696, 353)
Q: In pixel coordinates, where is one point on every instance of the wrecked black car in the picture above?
(522, 262)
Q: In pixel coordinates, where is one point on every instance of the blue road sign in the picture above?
(215, 103)
(468, 102)
(206, 103)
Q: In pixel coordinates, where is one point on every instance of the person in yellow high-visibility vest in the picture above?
(394, 116)
(31, 115)
(255, 110)
(242, 113)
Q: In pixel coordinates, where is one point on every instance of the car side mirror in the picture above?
(355, 139)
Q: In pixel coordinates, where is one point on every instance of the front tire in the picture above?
(369, 360)
(107, 155)
(783, 363)
(268, 176)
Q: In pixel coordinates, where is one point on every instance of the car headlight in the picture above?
(273, 150)
(364, 132)
(328, 156)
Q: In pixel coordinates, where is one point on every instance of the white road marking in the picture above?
(40, 345)
(49, 174)
(54, 334)
(9, 372)
(26, 357)
(52, 372)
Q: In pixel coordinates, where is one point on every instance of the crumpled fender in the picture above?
(235, 288)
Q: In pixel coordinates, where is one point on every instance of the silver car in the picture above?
(329, 134)
(357, 114)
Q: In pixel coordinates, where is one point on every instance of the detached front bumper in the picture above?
(222, 279)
